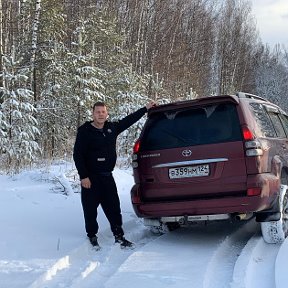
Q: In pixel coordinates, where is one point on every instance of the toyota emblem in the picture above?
(186, 153)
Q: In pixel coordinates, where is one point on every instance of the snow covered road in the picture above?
(43, 245)
(201, 256)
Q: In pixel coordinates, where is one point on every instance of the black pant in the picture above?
(103, 191)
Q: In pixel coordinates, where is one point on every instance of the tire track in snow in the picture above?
(281, 275)
(75, 269)
(241, 265)
(235, 257)
(113, 260)
(256, 265)
(191, 250)
(221, 265)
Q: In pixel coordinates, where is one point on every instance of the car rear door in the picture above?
(196, 152)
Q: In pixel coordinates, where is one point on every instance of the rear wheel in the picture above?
(276, 231)
(159, 229)
(164, 228)
(173, 226)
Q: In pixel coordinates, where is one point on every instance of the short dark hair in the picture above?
(99, 104)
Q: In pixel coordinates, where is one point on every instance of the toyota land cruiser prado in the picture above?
(213, 158)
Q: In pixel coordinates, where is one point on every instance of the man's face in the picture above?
(100, 114)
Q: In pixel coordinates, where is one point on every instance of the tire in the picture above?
(159, 230)
(173, 226)
(274, 232)
(155, 230)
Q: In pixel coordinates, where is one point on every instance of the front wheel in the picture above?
(274, 232)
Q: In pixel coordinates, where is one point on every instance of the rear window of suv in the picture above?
(195, 126)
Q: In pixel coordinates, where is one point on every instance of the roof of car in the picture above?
(239, 96)
(195, 102)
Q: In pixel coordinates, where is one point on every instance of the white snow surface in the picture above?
(43, 243)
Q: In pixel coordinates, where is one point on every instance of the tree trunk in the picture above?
(34, 48)
(1, 52)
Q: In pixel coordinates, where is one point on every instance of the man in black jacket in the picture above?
(95, 158)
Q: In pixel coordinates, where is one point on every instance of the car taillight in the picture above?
(252, 146)
(253, 191)
(136, 146)
(247, 133)
(135, 197)
(136, 149)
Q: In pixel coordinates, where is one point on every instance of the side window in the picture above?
(284, 119)
(278, 125)
(263, 120)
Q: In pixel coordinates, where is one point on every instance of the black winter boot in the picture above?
(124, 243)
(94, 242)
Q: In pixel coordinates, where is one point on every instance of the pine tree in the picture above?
(129, 95)
(54, 80)
(55, 105)
(18, 125)
(87, 73)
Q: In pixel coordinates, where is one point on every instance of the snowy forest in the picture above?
(58, 57)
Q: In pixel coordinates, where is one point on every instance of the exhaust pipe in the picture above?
(243, 216)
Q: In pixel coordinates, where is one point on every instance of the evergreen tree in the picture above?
(86, 68)
(129, 96)
(55, 104)
(18, 125)
(54, 80)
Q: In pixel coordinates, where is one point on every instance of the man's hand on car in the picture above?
(151, 104)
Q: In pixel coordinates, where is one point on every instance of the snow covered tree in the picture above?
(130, 94)
(271, 77)
(235, 39)
(34, 44)
(1, 50)
(93, 68)
(18, 125)
(86, 69)
(191, 95)
(81, 51)
(156, 89)
(102, 72)
(53, 104)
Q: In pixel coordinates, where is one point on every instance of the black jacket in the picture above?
(95, 151)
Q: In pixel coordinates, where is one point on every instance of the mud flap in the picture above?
(274, 232)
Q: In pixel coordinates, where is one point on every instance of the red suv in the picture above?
(213, 158)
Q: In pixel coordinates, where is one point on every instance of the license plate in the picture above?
(189, 171)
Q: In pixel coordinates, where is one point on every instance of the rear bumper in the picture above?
(268, 183)
(202, 207)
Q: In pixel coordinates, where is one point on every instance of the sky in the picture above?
(272, 20)
(43, 243)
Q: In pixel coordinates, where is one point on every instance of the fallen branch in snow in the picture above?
(64, 182)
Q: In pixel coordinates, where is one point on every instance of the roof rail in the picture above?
(251, 96)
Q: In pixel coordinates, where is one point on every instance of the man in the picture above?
(95, 158)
